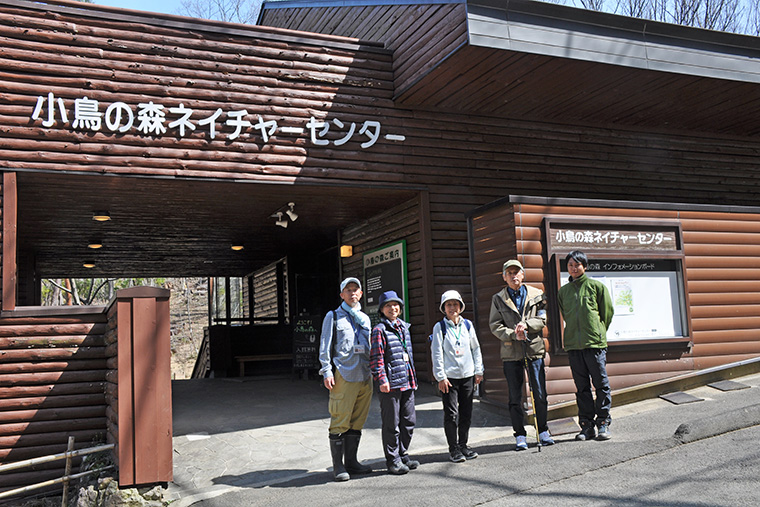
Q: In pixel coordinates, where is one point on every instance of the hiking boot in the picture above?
(456, 456)
(545, 438)
(521, 443)
(411, 464)
(467, 452)
(604, 432)
(398, 468)
(587, 433)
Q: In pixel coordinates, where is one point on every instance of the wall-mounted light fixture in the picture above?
(101, 216)
(346, 250)
(291, 212)
(88, 264)
(237, 248)
(280, 221)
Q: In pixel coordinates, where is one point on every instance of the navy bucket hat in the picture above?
(387, 297)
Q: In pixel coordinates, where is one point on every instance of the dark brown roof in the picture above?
(534, 60)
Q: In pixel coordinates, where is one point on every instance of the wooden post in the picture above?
(10, 221)
(144, 450)
(67, 473)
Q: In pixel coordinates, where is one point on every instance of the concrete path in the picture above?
(264, 442)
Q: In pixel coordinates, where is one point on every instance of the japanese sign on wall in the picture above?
(384, 270)
(576, 236)
(306, 331)
(150, 119)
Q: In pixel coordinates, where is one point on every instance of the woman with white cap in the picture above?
(458, 368)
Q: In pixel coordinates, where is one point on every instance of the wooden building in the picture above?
(384, 123)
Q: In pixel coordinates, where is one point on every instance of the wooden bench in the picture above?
(264, 357)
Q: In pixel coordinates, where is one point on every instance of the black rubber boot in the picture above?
(336, 449)
(351, 440)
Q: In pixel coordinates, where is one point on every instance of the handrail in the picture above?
(54, 457)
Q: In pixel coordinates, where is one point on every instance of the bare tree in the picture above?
(234, 11)
(738, 16)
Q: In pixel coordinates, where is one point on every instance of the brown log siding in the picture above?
(722, 290)
(52, 374)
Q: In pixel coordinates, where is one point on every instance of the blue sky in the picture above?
(165, 6)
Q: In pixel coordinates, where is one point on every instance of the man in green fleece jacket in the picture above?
(587, 309)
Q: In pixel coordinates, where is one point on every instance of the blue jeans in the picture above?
(513, 371)
(590, 366)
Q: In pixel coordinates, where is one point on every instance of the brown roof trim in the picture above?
(203, 25)
(604, 203)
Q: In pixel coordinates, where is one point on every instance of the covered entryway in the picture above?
(173, 227)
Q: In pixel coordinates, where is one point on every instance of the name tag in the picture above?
(406, 357)
(358, 349)
(458, 351)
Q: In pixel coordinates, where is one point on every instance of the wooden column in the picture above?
(10, 220)
(144, 449)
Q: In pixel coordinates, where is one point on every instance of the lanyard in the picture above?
(398, 333)
(458, 329)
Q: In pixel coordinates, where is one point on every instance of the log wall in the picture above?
(401, 222)
(52, 386)
(721, 275)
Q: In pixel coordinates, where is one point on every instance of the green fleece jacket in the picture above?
(587, 308)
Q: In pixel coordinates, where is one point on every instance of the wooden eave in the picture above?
(183, 227)
(534, 60)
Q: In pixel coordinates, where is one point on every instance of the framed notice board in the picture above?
(384, 270)
(640, 262)
(306, 333)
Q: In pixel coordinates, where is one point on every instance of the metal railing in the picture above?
(67, 477)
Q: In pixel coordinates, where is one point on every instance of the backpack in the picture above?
(467, 324)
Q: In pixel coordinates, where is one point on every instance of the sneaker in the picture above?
(522, 443)
(587, 433)
(545, 438)
(456, 456)
(467, 452)
(411, 464)
(398, 468)
(604, 432)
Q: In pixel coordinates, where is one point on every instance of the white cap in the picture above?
(350, 280)
(451, 295)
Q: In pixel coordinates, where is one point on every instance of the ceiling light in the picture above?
(291, 212)
(101, 216)
(88, 265)
(237, 248)
(95, 244)
(282, 223)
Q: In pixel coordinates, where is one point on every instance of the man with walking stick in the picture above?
(517, 319)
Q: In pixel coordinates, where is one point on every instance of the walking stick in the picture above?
(530, 390)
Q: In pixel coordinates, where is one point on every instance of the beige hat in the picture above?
(510, 263)
(451, 295)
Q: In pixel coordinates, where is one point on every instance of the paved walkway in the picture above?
(235, 437)
(251, 432)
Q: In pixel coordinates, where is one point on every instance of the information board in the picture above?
(306, 333)
(647, 295)
(384, 270)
